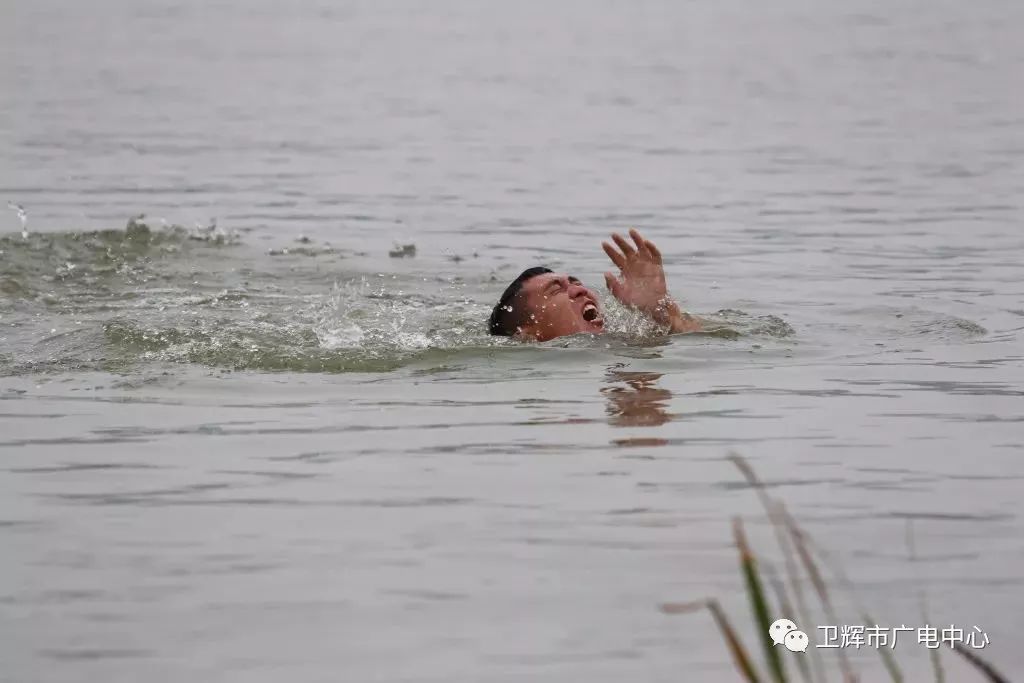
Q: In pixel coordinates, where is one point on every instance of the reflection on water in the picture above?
(636, 400)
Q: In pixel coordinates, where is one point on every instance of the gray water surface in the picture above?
(239, 442)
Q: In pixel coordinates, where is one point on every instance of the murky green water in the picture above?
(239, 441)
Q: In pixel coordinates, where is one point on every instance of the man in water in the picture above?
(540, 304)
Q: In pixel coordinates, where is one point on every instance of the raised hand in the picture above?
(641, 282)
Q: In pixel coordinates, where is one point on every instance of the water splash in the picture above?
(623, 320)
(741, 323)
(211, 232)
(378, 320)
(22, 216)
(141, 296)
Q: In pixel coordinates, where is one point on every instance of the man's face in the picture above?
(556, 305)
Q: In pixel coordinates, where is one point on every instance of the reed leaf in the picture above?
(787, 608)
(888, 659)
(978, 663)
(758, 603)
(773, 509)
(800, 543)
(739, 653)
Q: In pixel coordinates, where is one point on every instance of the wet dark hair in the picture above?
(506, 317)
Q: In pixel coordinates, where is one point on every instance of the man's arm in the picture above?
(641, 282)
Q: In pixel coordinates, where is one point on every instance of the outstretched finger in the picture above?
(626, 247)
(614, 285)
(613, 253)
(654, 251)
(641, 244)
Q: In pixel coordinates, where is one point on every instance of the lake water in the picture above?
(240, 442)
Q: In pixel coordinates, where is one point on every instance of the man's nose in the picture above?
(576, 290)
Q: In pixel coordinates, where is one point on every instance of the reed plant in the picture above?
(801, 557)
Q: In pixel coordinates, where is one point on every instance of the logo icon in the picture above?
(779, 629)
(796, 641)
(785, 632)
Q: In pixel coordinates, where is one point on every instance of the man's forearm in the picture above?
(676, 319)
(684, 322)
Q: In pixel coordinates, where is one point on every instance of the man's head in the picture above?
(541, 304)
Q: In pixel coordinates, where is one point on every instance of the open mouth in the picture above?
(591, 314)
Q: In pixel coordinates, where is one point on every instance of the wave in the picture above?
(121, 300)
